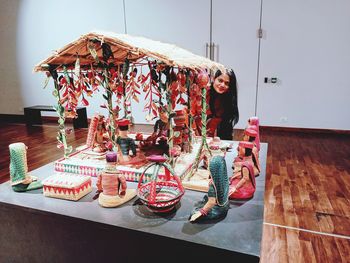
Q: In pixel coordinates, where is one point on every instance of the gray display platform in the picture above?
(35, 228)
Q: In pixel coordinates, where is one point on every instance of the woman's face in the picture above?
(221, 83)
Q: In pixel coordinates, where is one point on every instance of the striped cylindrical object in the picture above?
(92, 130)
(18, 163)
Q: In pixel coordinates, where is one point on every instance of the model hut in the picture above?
(123, 65)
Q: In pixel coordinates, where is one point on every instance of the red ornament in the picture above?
(123, 122)
(139, 136)
(202, 79)
(181, 78)
(84, 102)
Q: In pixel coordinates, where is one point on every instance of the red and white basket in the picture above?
(161, 194)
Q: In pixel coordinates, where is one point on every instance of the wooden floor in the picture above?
(307, 198)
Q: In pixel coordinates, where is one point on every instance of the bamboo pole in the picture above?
(108, 98)
(190, 118)
(62, 138)
(169, 109)
(204, 147)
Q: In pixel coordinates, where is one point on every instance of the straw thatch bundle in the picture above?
(125, 46)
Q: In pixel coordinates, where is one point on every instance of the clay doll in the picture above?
(157, 142)
(250, 136)
(255, 121)
(124, 142)
(111, 185)
(161, 127)
(215, 204)
(21, 180)
(242, 182)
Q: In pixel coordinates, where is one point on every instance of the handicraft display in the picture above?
(174, 84)
(67, 186)
(111, 184)
(174, 92)
(21, 180)
(250, 135)
(242, 182)
(216, 203)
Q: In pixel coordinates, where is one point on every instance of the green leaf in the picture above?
(46, 82)
(126, 67)
(69, 149)
(77, 68)
(65, 73)
(60, 121)
(55, 93)
(93, 52)
(161, 86)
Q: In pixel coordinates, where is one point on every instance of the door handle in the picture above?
(213, 52)
(206, 49)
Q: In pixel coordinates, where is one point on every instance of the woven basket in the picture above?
(168, 194)
(160, 195)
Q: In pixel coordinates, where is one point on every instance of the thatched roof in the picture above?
(125, 46)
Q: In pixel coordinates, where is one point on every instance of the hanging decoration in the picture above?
(121, 66)
(151, 84)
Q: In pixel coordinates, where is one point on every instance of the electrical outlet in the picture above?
(283, 119)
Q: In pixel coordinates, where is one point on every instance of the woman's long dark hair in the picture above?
(229, 101)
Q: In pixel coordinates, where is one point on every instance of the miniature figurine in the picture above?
(92, 131)
(215, 204)
(111, 185)
(161, 127)
(242, 183)
(101, 136)
(116, 111)
(250, 136)
(125, 143)
(21, 180)
(255, 121)
(157, 142)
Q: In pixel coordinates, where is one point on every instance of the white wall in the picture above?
(35, 30)
(305, 46)
(11, 100)
(237, 44)
(182, 22)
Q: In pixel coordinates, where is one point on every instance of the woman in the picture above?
(223, 110)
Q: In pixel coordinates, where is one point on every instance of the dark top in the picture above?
(126, 144)
(160, 128)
